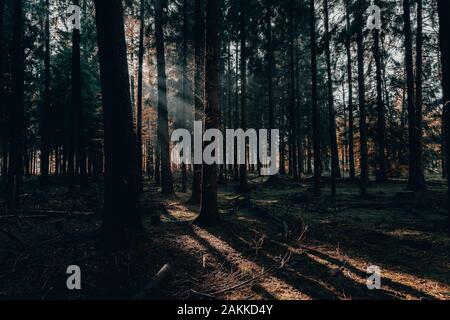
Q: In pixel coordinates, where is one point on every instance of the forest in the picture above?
(315, 162)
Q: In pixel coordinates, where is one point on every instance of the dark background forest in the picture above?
(88, 177)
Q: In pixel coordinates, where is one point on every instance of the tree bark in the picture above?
(243, 37)
(444, 26)
(45, 115)
(163, 117)
(415, 180)
(335, 171)
(364, 177)
(381, 145)
(121, 202)
(199, 88)
(140, 184)
(351, 150)
(209, 214)
(292, 111)
(315, 107)
(17, 116)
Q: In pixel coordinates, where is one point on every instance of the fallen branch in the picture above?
(152, 289)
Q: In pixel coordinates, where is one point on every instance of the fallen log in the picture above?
(153, 289)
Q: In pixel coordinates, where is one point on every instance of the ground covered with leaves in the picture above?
(274, 242)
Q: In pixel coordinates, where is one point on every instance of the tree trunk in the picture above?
(243, 37)
(415, 180)
(292, 111)
(140, 184)
(17, 122)
(270, 67)
(419, 91)
(184, 98)
(350, 96)
(121, 202)
(45, 116)
(163, 117)
(335, 171)
(381, 146)
(209, 214)
(364, 177)
(78, 108)
(199, 88)
(315, 107)
(444, 26)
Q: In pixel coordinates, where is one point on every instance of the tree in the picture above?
(415, 179)
(184, 96)
(199, 88)
(381, 146)
(444, 26)
(17, 113)
(45, 116)
(209, 214)
(243, 34)
(364, 178)
(292, 111)
(348, 39)
(315, 107)
(78, 108)
(121, 203)
(140, 184)
(335, 171)
(163, 116)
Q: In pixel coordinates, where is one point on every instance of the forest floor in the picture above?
(274, 242)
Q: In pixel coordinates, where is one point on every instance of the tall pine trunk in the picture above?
(315, 107)
(209, 214)
(140, 184)
(17, 117)
(163, 116)
(45, 115)
(335, 171)
(243, 37)
(444, 26)
(184, 98)
(364, 176)
(292, 106)
(381, 145)
(348, 41)
(121, 202)
(199, 88)
(79, 134)
(415, 180)
(419, 85)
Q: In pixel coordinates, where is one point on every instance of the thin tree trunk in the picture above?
(364, 177)
(381, 146)
(292, 111)
(184, 98)
(270, 67)
(444, 26)
(78, 108)
(46, 106)
(415, 181)
(209, 214)
(243, 37)
(419, 85)
(351, 150)
(335, 171)
(315, 107)
(163, 117)
(199, 88)
(140, 184)
(121, 202)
